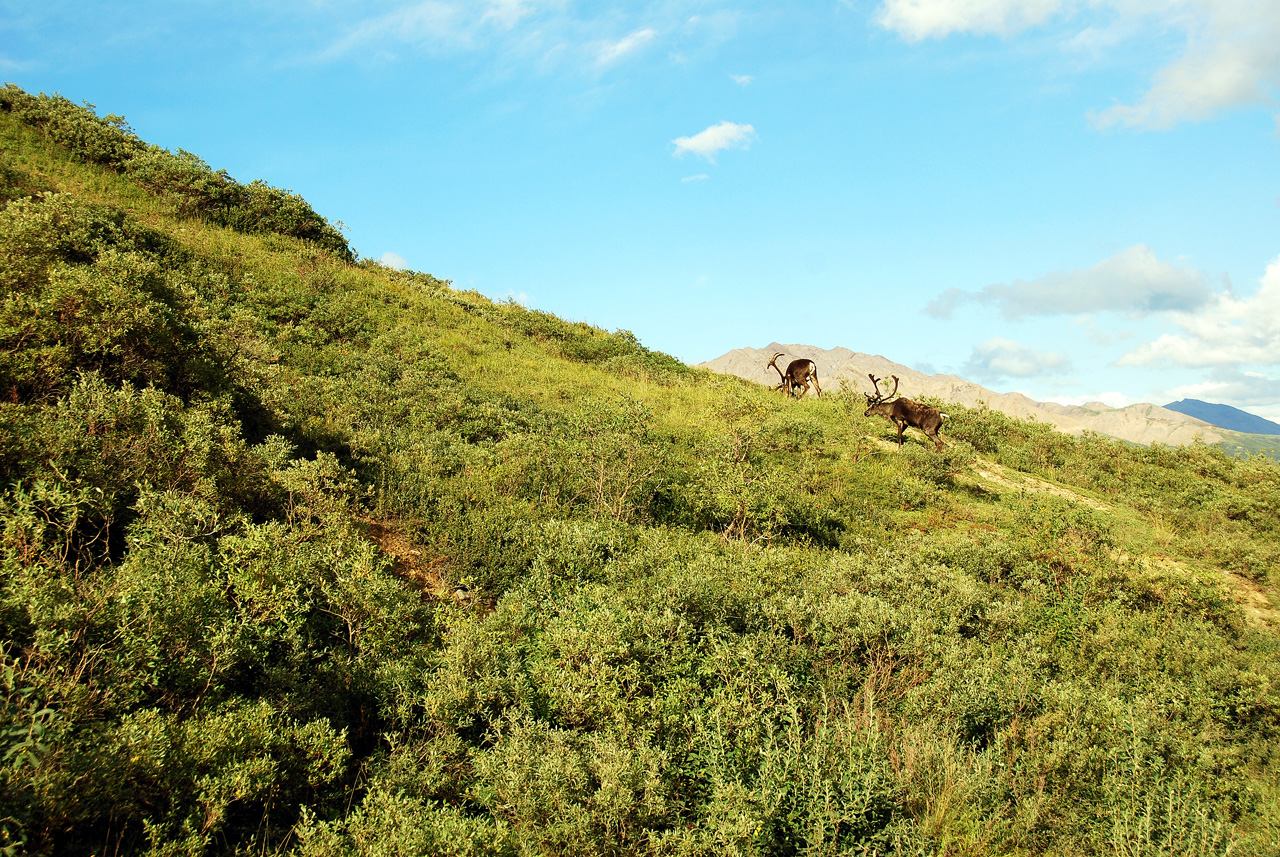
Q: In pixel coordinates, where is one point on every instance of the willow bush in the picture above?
(301, 555)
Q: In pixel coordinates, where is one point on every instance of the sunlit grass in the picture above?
(636, 609)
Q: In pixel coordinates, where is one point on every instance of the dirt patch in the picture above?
(1013, 481)
(1253, 599)
(411, 562)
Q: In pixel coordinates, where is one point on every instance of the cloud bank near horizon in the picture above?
(1228, 331)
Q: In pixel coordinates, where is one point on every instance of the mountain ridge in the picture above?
(1225, 416)
(1143, 423)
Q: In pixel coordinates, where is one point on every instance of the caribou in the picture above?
(798, 375)
(904, 412)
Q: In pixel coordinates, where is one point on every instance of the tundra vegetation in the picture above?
(303, 555)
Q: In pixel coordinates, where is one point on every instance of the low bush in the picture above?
(302, 556)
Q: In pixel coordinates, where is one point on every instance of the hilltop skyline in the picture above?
(1076, 201)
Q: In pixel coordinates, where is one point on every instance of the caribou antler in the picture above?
(881, 397)
(774, 363)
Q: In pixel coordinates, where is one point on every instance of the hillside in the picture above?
(304, 555)
(1225, 416)
(1143, 423)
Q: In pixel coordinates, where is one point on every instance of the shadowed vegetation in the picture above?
(303, 555)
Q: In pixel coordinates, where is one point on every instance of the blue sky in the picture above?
(1075, 199)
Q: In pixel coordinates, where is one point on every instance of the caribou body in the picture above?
(904, 412)
(798, 375)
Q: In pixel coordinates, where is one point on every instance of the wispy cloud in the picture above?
(393, 260)
(1251, 391)
(1005, 358)
(608, 53)
(742, 79)
(430, 23)
(717, 138)
(1228, 331)
(1231, 57)
(534, 30)
(1133, 281)
(924, 19)
(700, 177)
(507, 13)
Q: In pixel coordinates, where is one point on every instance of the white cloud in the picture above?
(1110, 399)
(742, 79)
(393, 260)
(540, 36)
(1231, 57)
(1228, 331)
(1098, 335)
(607, 53)
(726, 135)
(532, 30)
(1199, 390)
(1004, 358)
(700, 177)
(1115, 400)
(923, 19)
(431, 23)
(1132, 281)
(1250, 391)
(507, 13)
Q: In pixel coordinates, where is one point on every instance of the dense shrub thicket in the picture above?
(188, 182)
(308, 557)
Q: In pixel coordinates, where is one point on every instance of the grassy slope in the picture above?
(694, 617)
(1238, 443)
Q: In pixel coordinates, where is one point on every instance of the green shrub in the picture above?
(241, 478)
(183, 177)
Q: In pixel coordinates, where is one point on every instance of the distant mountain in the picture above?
(1224, 416)
(1144, 423)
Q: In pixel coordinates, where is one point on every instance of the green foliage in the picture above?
(1237, 445)
(620, 351)
(303, 556)
(195, 189)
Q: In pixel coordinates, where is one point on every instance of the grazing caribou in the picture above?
(798, 375)
(904, 412)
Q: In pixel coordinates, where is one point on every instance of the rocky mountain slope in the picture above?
(1142, 423)
(1225, 416)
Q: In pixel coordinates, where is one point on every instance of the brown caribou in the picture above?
(904, 412)
(798, 375)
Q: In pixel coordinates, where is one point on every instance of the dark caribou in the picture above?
(904, 412)
(798, 375)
